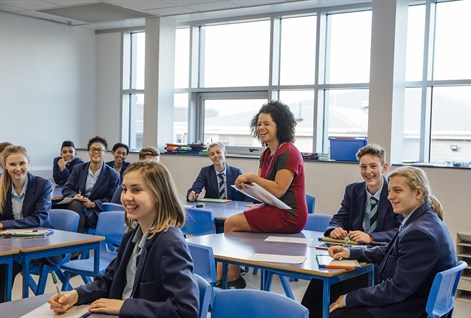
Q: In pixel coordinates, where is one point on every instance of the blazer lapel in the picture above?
(383, 205)
(360, 201)
(30, 192)
(101, 179)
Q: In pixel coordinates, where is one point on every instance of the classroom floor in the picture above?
(462, 309)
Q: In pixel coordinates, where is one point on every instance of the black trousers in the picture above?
(88, 217)
(312, 299)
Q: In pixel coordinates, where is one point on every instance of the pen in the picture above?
(347, 240)
(85, 315)
(55, 280)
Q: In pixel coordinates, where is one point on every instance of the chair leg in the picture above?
(286, 287)
(65, 283)
(42, 281)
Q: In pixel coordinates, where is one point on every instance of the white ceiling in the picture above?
(122, 13)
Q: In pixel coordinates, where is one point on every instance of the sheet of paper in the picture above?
(284, 239)
(274, 258)
(45, 311)
(66, 200)
(260, 194)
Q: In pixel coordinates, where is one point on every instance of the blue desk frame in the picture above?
(7, 259)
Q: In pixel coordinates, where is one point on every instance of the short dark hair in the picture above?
(98, 139)
(283, 118)
(67, 143)
(119, 145)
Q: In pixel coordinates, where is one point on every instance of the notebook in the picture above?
(325, 261)
(26, 232)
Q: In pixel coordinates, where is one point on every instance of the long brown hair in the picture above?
(5, 181)
(167, 205)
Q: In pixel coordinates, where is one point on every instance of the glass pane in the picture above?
(236, 54)
(139, 66)
(412, 111)
(180, 115)
(415, 43)
(348, 113)
(452, 43)
(298, 50)
(182, 57)
(228, 121)
(136, 120)
(301, 104)
(349, 48)
(451, 124)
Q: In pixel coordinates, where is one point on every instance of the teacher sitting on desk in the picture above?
(281, 172)
(407, 266)
(217, 178)
(91, 184)
(25, 201)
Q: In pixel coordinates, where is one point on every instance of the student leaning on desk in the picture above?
(407, 265)
(25, 201)
(63, 165)
(152, 275)
(281, 172)
(217, 178)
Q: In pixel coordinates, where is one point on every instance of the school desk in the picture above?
(58, 243)
(6, 258)
(238, 247)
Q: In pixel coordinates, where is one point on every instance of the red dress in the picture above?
(269, 219)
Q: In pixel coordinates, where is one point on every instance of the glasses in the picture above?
(96, 150)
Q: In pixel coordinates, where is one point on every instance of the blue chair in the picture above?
(110, 225)
(235, 303)
(61, 219)
(317, 222)
(203, 262)
(206, 294)
(109, 206)
(311, 203)
(441, 299)
(199, 222)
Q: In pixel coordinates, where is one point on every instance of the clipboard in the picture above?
(325, 261)
(260, 194)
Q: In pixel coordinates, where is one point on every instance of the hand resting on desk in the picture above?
(61, 303)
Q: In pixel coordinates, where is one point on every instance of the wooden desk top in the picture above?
(240, 246)
(223, 210)
(5, 250)
(57, 239)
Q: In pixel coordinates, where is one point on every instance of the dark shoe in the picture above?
(218, 283)
(239, 283)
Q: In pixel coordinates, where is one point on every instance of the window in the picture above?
(437, 115)
(133, 89)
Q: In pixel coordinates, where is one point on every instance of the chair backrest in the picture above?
(65, 220)
(317, 222)
(235, 303)
(199, 222)
(203, 262)
(111, 225)
(441, 299)
(206, 294)
(311, 203)
(109, 206)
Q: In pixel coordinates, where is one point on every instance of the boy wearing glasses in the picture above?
(91, 184)
(64, 164)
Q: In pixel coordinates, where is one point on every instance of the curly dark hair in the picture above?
(120, 144)
(283, 118)
(98, 139)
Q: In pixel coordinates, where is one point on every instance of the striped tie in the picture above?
(373, 214)
(222, 186)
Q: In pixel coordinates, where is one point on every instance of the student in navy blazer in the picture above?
(208, 179)
(25, 201)
(120, 151)
(353, 213)
(91, 184)
(407, 266)
(152, 275)
(63, 165)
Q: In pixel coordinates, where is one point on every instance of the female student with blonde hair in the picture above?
(152, 275)
(25, 199)
(409, 263)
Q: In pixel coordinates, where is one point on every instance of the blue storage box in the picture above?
(344, 149)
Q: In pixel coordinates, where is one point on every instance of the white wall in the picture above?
(47, 85)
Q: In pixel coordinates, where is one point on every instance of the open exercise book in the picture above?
(45, 311)
(325, 261)
(258, 193)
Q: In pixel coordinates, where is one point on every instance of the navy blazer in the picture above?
(351, 213)
(36, 205)
(123, 167)
(61, 177)
(407, 267)
(164, 285)
(103, 189)
(207, 179)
